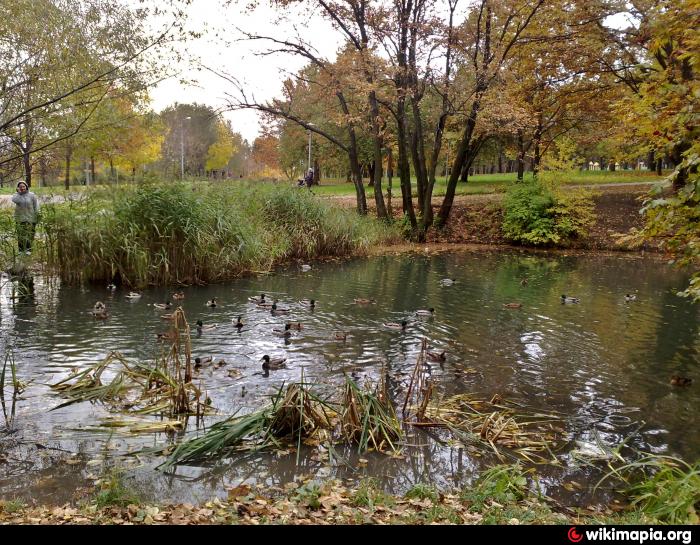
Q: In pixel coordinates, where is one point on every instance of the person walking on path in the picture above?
(26, 217)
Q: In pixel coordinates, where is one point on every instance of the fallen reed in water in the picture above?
(163, 389)
(161, 234)
(17, 388)
(497, 424)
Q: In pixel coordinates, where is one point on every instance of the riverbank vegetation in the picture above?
(163, 234)
(506, 494)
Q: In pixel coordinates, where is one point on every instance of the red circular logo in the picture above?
(573, 536)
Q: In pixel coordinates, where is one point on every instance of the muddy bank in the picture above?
(477, 219)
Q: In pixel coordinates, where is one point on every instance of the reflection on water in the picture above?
(603, 363)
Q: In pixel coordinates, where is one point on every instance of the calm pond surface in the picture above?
(604, 364)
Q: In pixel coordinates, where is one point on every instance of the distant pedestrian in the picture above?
(26, 217)
(309, 178)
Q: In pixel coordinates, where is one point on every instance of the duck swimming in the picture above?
(99, 311)
(162, 306)
(178, 295)
(361, 301)
(512, 305)
(199, 362)
(296, 325)
(311, 303)
(306, 268)
(133, 295)
(283, 332)
(276, 310)
(257, 300)
(423, 312)
(202, 327)
(238, 325)
(569, 300)
(111, 287)
(394, 325)
(273, 363)
(447, 281)
(629, 298)
(341, 336)
(677, 380)
(212, 302)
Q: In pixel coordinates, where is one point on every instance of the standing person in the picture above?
(26, 217)
(309, 178)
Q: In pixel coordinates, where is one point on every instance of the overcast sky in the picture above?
(220, 48)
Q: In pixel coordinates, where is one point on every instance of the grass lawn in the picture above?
(493, 183)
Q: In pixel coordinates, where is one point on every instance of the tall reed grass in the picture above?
(175, 233)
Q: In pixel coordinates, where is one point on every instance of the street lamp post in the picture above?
(182, 147)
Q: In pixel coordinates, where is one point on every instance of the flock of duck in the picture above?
(99, 311)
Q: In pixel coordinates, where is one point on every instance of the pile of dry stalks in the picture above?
(368, 418)
(296, 412)
(495, 423)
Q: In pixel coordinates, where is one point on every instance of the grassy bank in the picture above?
(176, 233)
(502, 495)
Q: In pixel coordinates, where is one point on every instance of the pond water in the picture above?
(604, 364)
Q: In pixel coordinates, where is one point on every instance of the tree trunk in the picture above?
(418, 156)
(354, 160)
(377, 145)
(390, 178)
(42, 172)
(404, 168)
(317, 173)
(371, 174)
(26, 159)
(66, 181)
(659, 164)
(537, 140)
(650, 159)
(92, 168)
(521, 156)
(464, 176)
(465, 154)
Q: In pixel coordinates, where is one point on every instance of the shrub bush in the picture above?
(536, 214)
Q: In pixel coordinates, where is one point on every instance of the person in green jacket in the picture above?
(26, 217)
